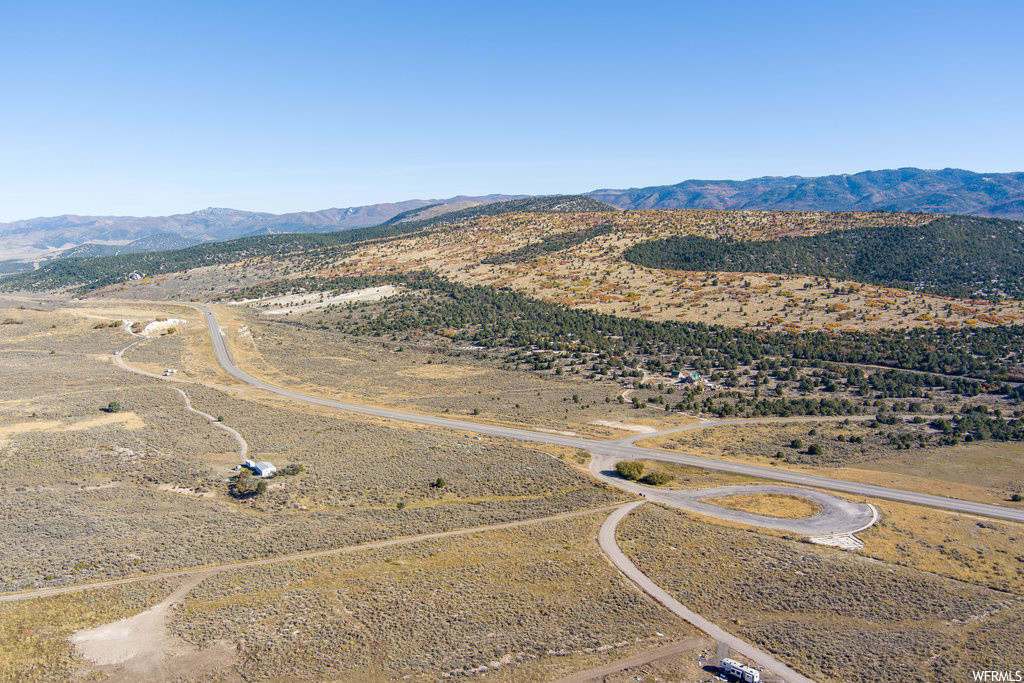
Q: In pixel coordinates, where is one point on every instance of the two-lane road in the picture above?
(615, 450)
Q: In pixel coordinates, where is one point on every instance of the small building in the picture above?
(260, 469)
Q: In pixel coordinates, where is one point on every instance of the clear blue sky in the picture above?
(154, 108)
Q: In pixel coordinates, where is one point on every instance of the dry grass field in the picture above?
(768, 504)
(90, 492)
(988, 472)
(834, 615)
(979, 551)
(532, 603)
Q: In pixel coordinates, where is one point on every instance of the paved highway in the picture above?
(615, 450)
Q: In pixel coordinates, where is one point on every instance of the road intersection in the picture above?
(624, 449)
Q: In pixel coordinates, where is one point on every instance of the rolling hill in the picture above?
(961, 256)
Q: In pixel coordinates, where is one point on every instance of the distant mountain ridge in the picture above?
(104, 235)
(947, 191)
(98, 271)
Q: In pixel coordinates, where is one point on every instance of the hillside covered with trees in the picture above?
(954, 256)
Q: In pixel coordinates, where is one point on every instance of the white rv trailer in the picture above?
(747, 674)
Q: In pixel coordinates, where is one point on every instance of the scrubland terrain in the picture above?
(533, 320)
(34, 634)
(577, 259)
(503, 603)
(93, 494)
(837, 616)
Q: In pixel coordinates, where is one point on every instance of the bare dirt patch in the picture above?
(629, 427)
(142, 648)
(305, 303)
(34, 634)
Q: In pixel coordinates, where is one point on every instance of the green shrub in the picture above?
(814, 449)
(657, 479)
(629, 469)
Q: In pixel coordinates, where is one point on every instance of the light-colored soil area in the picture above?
(832, 614)
(629, 427)
(34, 634)
(158, 327)
(305, 303)
(532, 603)
(140, 647)
(768, 504)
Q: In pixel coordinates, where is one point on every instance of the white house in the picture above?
(260, 469)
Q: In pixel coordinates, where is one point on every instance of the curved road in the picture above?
(243, 446)
(611, 548)
(837, 516)
(614, 449)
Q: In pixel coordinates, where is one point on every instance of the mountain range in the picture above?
(948, 191)
(39, 239)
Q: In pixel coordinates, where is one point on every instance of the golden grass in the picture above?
(440, 372)
(985, 472)
(127, 420)
(768, 504)
(534, 603)
(972, 549)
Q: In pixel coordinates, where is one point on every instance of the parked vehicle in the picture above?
(740, 672)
